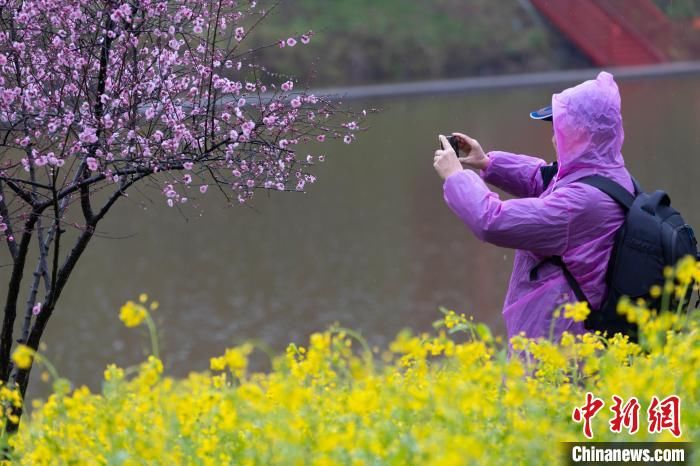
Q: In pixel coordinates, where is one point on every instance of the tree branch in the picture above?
(9, 235)
(40, 272)
(24, 195)
(12, 293)
(21, 376)
(85, 203)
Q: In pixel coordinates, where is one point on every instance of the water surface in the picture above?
(371, 245)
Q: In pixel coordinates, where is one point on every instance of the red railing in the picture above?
(611, 32)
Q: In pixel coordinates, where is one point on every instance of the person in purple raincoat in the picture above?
(566, 218)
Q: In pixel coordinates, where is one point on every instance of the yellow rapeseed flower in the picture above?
(23, 356)
(113, 372)
(577, 311)
(132, 314)
(438, 400)
(218, 363)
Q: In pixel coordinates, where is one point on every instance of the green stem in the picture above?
(555, 316)
(49, 367)
(153, 334)
(665, 298)
(359, 338)
(262, 346)
(682, 299)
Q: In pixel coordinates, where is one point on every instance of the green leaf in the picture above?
(484, 332)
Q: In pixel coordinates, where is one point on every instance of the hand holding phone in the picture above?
(474, 155)
(444, 162)
(454, 143)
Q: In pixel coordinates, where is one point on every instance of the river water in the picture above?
(371, 245)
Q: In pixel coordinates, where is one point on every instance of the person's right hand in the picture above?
(476, 158)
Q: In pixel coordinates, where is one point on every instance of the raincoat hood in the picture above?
(588, 126)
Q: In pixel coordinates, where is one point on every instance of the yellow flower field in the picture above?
(451, 397)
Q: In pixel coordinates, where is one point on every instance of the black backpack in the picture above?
(653, 236)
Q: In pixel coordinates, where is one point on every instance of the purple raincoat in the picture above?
(568, 219)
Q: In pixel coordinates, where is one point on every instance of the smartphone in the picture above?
(453, 142)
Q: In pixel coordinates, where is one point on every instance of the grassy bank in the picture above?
(366, 41)
(394, 40)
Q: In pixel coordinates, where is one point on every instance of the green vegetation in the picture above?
(451, 397)
(396, 40)
(680, 9)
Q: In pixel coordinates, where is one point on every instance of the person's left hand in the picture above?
(446, 162)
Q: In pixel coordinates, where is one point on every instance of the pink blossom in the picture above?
(169, 89)
(248, 127)
(347, 139)
(36, 309)
(92, 164)
(88, 135)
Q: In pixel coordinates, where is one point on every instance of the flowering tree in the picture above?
(99, 95)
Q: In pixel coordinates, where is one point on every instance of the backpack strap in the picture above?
(580, 295)
(617, 193)
(613, 189)
(637, 187)
(548, 172)
(570, 279)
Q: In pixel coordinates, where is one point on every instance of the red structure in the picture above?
(612, 32)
